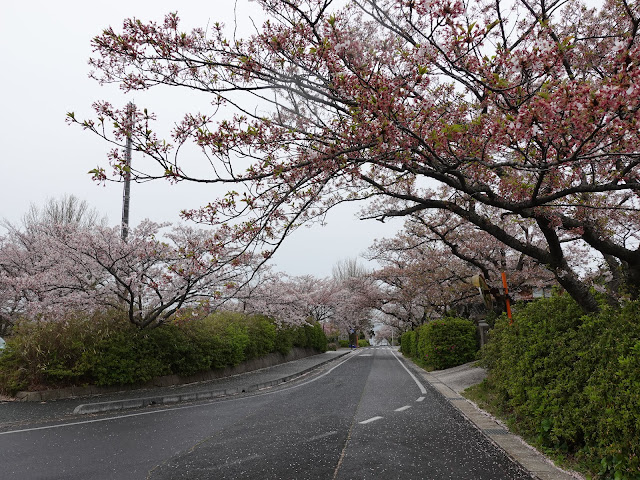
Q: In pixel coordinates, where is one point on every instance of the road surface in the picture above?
(364, 416)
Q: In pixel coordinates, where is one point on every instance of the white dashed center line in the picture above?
(402, 409)
(322, 436)
(420, 399)
(372, 419)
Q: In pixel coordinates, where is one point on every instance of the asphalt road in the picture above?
(362, 417)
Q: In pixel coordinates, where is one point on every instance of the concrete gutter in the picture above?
(449, 383)
(124, 404)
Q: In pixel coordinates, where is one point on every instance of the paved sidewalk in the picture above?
(16, 413)
(452, 381)
(460, 378)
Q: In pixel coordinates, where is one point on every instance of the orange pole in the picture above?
(506, 297)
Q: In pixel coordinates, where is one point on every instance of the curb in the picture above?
(114, 405)
(512, 445)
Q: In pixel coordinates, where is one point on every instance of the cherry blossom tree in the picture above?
(11, 296)
(58, 268)
(32, 273)
(38, 280)
(418, 281)
(483, 253)
(355, 298)
(342, 305)
(353, 304)
(427, 267)
(290, 300)
(154, 277)
(385, 332)
(528, 109)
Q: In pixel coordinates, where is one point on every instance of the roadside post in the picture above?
(485, 293)
(506, 297)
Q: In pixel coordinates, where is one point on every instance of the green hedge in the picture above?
(447, 343)
(262, 337)
(408, 343)
(572, 381)
(107, 350)
(361, 343)
(442, 343)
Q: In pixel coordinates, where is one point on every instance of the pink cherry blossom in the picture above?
(528, 110)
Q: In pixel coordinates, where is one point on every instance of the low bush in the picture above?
(346, 344)
(307, 336)
(311, 336)
(42, 353)
(447, 343)
(125, 357)
(262, 336)
(444, 343)
(408, 345)
(105, 349)
(572, 381)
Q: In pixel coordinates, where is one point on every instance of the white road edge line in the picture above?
(185, 407)
(420, 399)
(402, 409)
(372, 419)
(420, 386)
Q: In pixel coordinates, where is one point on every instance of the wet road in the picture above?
(361, 417)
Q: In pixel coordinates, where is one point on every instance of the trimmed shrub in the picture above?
(262, 337)
(183, 348)
(444, 343)
(284, 340)
(224, 337)
(43, 353)
(318, 340)
(408, 343)
(447, 343)
(572, 381)
(107, 350)
(306, 336)
(124, 357)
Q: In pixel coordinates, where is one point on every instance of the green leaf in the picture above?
(491, 25)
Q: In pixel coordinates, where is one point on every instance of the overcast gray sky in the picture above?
(44, 47)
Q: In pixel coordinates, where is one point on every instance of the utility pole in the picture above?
(126, 194)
